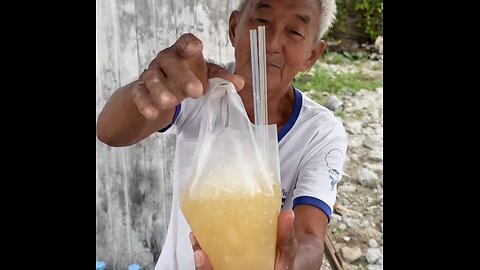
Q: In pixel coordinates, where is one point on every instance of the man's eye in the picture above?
(296, 33)
(261, 20)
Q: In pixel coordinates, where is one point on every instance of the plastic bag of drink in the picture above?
(232, 198)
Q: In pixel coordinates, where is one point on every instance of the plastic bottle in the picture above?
(101, 265)
(134, 267)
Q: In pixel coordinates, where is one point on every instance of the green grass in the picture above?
(323, 79)
(336, 58)
(377, 66)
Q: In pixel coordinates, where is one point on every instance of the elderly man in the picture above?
(312, 143)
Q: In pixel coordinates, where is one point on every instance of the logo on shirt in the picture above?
(334, 175)
(332, 158)
(284, 196)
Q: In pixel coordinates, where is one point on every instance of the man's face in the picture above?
(291, 27)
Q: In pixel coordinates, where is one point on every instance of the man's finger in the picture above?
(237, 80)
(188, 45)
(143, 100)
(161, 94)
(185, 82)
(215, 70)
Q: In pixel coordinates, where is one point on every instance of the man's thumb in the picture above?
(287, 243)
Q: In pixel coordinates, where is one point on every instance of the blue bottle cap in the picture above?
(134, 267)
(101, 265)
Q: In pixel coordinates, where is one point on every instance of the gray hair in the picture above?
(327, 17)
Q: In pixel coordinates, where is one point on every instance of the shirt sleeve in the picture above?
(178, 108)
(321, 168)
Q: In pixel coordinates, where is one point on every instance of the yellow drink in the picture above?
(237, 229)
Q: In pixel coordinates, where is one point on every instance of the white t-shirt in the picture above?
(312, 147)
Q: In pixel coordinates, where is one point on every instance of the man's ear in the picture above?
(317, 51)
(232, 25)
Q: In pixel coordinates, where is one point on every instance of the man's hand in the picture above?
(177, 72)
(286, 241)
(286, 245)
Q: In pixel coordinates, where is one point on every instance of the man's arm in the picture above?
(310, 226)
(121, 123)
(147, 105)
(300, 236)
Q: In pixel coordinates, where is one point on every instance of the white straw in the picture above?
(259, 83)
(255, 79)
(263, 75)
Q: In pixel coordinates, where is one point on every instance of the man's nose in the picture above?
(275, 39)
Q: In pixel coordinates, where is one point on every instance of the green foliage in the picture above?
(341, 16)
(372, 13)
(368, 12)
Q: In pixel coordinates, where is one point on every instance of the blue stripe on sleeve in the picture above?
(313, 202)
(177, 111)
